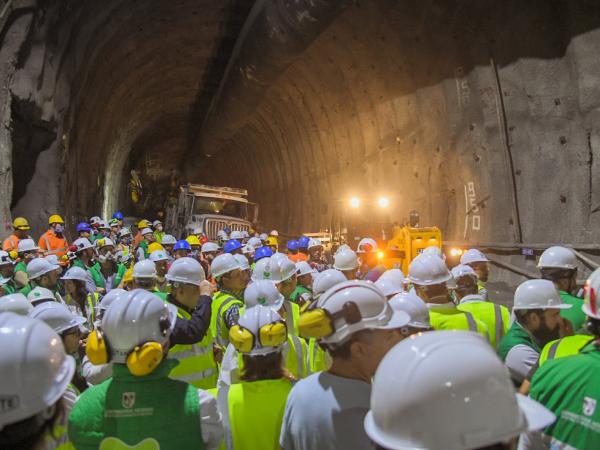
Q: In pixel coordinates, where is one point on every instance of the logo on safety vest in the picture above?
(128, 400)
(589, 406)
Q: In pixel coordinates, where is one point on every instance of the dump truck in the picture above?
(210, 209)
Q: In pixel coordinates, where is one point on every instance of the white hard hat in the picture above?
(591, 295)
(168, 239)
(462, 270)
(197, 230)
(345, 260)
(104, 242)
(223, 264)
(435, 251)
(473, 256)
(5, 258)
(26, 245)
(342, 248)
(159, 255)
(236, 234)
(263, 236)
(82, 244)
(281, 270)
(186, 270)
(39, 294)
(126, 231)
(538, 294)
(304, 268)
(314, 242)
(371, 304)
(133, 320)
(209, 247)
(394, 274)
(156, 222)
(144, 269)
(366, 245)
(38, 267)
(390, 285)
(103, 225)
(262, 268)
(222, 234)
(110, 297)
(242, 261)
(427, 270)
(76, 273)
(326, 280)
(255, 320)
(274, 233)
(53, 259)
(57, 316)
(94, 220)
(146, 231)
(264, 293)
(247, 249)
(34, 369)
(16, 303)
(245, 234)
(255, 242)
(278, 256)
(414, 306)
(451, 381)
(557, 258)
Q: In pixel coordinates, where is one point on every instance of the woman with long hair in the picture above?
(77, 298)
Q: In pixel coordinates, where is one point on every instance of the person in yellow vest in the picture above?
(140, 406)
(190, 293)
(496, 317)
(429, 276)
(160, 258)
(35, 373)
(53, 241)
(480, 264)
(252, 410)
(20, 231)
(227, 301)
(78, 299)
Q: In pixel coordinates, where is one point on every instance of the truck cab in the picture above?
(210, 209)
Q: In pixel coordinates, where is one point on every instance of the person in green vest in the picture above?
(559, 265)
(27, 251)
(496, 317)
(569, 387)
(253, 409)
(429, 275)
(303, 292)
(140, 405)
(78, 299)
(7, 273)
(190, 294)
(142, 250)
(42, 273)
(34, 413)
(227, 300)
(537, 306)
(84, 254)
(480, 264)
(159, 232)
(107, 273)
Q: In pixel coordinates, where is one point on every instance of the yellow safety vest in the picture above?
(450, 318)
(495, 317)
(567, 346)
(222, 301)
(317, 359)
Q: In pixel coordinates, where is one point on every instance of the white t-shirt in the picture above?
(324, 412)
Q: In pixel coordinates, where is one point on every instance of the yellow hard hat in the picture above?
(144, 223)
(193, 240)
(55, 218)
(154, 247)
(20, 223)
(128, 276)
(271, 240)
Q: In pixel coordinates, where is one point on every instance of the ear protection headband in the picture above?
(142, 360)
(270, 335)
(319, 323)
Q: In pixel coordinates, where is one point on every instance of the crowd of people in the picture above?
(132, 338)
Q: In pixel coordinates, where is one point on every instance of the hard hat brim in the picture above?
(399, 319)
(538, 306)
(537, 416)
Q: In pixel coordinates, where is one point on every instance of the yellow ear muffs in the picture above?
(241, 338)
(315, 323)
(144, 359)
(273, 334)
(97, 349)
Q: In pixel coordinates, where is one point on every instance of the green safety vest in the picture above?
(21, 267)
(516, 335)
(153, 410)
(567, 346)
(196, 361)
(99, 278)
(574, 314)
(158, 235)
(446, 318)
(252, 413)
(25, 290)
(495, 317)
(298, 292)
(10, 287)
(162, 295)
(222, 301)
(144, 246)
(569, 387)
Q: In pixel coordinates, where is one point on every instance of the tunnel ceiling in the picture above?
(480, 115)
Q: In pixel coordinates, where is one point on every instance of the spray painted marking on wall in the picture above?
(472, 216)
(463, 91)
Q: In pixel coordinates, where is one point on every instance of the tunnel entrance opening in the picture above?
(31, 135)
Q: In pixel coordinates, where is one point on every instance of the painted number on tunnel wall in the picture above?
(472, 216)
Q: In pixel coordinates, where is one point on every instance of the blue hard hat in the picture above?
(118, 215)
(262, 252)
(292, 246)
(231, 245)
(182, 245)
(83, 226)
(303, 242)
(227, 230)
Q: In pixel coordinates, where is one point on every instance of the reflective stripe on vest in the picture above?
(51, 251)
(553, 348)
(295, 348)
(471, 322)
(498, 323)
(223, 405)
(220, 311)
(289, 316)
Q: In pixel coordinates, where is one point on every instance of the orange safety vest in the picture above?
(11, 243)
(53, 245)
(298, 257)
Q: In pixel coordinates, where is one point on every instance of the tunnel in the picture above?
(482, 116)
